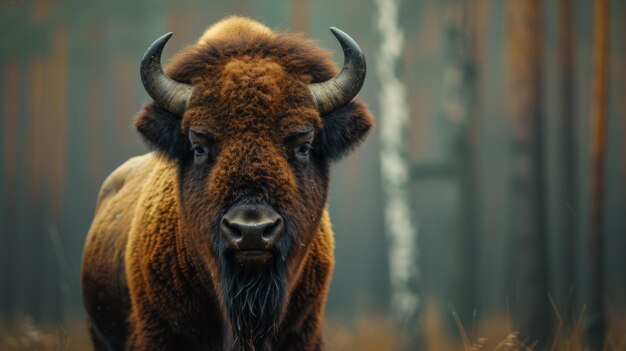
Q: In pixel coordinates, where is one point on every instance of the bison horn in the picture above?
(168, 93)
(338, 91)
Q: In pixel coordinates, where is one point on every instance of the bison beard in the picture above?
(254, 294)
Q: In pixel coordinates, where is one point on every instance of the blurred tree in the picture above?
(455, 126)
(395, 172)
(595, 329)
(300, 13)
(566, 155)
(524, 87)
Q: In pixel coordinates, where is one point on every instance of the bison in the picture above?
(219, 238)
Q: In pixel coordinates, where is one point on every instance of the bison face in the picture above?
(252, 185)
(252, 181)
(253, 140)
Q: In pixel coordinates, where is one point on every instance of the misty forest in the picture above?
(485, 211)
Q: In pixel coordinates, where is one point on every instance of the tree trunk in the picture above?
(300, 15)
(524, 44)
(457, 117)
(595, 329)
(395, 170)
(567, 206)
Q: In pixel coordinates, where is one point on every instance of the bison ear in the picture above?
(344, 129)
(161, 130)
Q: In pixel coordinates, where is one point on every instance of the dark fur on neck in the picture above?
(254, 294)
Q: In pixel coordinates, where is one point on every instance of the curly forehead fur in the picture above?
(237, 38)
(243, 71)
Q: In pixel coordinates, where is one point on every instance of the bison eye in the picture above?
(199, 152)
(202, 146)
(299, 145)
(304, 150)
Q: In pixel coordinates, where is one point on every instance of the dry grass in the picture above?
(373, 333)
(25, 335)
(368, 333)
(492, 334)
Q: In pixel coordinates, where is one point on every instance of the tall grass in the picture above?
(492, 334)
(367, 333)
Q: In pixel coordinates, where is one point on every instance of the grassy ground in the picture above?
(368, 333)
(492, 334)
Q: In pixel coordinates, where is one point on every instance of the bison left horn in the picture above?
(168, 93)
(338, 91)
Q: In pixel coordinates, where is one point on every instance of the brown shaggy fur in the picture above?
(155, 276)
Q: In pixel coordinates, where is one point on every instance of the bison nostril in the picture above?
(231, 230)
(272, 230)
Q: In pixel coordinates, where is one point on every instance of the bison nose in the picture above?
(251, 227)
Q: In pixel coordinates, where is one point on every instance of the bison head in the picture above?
(252, 122)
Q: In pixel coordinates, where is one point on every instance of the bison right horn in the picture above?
(338, 91)
(168, 93)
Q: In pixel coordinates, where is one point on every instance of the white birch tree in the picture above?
(400, 229)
